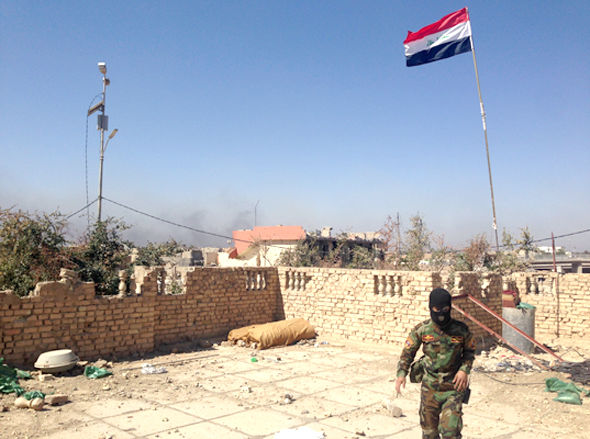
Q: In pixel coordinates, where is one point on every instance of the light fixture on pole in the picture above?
(102, 125)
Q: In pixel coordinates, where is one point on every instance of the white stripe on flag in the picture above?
(462, 30)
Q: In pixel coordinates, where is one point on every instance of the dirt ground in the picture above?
(331, 386)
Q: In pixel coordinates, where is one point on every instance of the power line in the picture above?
(219, 235)
(205, 232)
(80, 210)
(565, 235)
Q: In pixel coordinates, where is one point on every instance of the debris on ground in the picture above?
(45, 377)
(568, 393)
(300, 433)
(57, 399)
(501, 359)
(9, 377)
(100, 363)
(94, 372)
(33, 394)
(148, 369)
(35, 403)
(393, 410)
(286, 399)
(245, 389)
(60, 360)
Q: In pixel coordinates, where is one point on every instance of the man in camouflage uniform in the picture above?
(449, 350)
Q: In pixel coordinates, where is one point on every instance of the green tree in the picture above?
(417, 242)
(31, 249)
(525, 243)
(153, 253)
(102, 254)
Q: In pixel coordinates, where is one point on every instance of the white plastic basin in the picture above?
(56, 361)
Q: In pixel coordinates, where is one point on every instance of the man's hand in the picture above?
(400, 382)
(460, 381)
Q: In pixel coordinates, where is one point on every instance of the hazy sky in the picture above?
(305, 107)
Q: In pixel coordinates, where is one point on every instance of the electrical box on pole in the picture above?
(102, 122)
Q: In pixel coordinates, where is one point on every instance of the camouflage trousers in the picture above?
(440, 413)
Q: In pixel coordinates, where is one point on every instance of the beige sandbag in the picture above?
(281, 333)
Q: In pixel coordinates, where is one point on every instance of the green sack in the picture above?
(34, 394)
(568, 398)
(566, 392)
(9, 379)
(417, 371)
(556, 385)
(523, 305)
(94, 372)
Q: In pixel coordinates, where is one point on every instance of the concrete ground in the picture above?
(332, 388)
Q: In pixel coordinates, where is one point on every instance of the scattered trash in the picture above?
(287, 399)
(246, 389)
(57, 399)
(9, 377)
(392, 409)
(254, 360)
(501, 359)
(149, 369)
(568, 393)
(33, 394)
(300, 433)
(94, 372)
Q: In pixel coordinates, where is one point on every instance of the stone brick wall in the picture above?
(216, 301)
(67, 314)
(562, 301)
(361, 305)
(377, 306)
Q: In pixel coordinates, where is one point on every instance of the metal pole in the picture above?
(255, 207)
(503, 320)
(104, 92)
(485, 133)
(498, 336)
(553, 245)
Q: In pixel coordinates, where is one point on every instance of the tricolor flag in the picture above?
(447, 37)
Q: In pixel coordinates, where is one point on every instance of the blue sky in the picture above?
(306, 107)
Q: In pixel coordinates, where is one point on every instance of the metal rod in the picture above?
(485, 133)
(553, 245)
(503, 320)
(104, 95)
(498, 336)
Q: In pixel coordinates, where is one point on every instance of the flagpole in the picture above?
(485, 133)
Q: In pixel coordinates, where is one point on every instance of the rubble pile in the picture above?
(501, 359)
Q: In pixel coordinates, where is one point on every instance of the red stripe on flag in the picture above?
(448, 21)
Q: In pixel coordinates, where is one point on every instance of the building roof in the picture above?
(245, 238)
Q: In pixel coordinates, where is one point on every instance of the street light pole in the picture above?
(103, 125)
(102, 150)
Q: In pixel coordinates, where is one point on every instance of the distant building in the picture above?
(261, 246)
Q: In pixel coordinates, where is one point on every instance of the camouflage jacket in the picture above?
(445, 352)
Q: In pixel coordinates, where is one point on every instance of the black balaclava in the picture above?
(440, 298)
